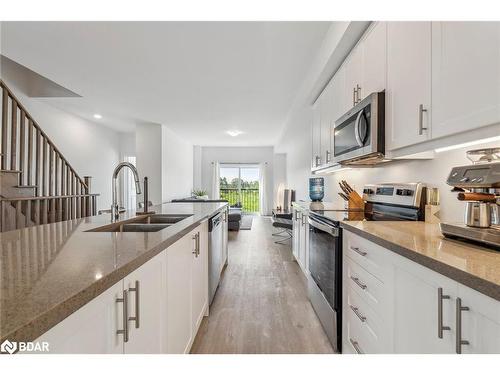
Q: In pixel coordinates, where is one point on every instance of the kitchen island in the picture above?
(50, 271)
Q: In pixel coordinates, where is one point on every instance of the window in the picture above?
(239, 184)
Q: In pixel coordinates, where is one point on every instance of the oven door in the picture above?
(352, 135)
(325, 259)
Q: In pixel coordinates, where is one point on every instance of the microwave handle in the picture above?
(356, 129)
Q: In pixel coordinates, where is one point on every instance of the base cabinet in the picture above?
(300, 244)
(158, 308)
(420, 312)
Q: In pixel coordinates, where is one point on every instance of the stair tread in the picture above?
(9, 171)
(26, 186)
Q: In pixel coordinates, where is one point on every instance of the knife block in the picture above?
(356, 203)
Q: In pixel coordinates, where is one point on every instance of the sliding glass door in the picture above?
(239, 184)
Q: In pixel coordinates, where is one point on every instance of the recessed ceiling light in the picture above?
(97, 116)
(234, 133)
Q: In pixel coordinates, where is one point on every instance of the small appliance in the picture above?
(359, 135)
(478, 185)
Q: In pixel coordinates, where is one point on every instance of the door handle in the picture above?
(328, 153)
(441, 327)
(421, 127)
(124, 330)
(198, 242)
(357, 250)
(459, 340)
(358, 283)
(358, 314)
(358, 93)
(353, 96)
(355, 345)
(357, 134)
(136, 318)
(195, 250)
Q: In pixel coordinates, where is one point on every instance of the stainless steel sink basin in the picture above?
(149, 223)
(140, 227)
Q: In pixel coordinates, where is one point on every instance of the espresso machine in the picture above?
(478, 185)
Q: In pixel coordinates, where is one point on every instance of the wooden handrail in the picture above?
(48, 197)
(35, 124)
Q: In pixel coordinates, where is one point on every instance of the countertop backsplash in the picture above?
(433, 173)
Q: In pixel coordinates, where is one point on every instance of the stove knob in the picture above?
(465, 179)
(480, 179)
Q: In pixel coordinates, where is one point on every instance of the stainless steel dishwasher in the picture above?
(215, 261)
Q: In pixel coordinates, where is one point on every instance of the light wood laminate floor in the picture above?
(261, 305)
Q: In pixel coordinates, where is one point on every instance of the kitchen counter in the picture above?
(472, 265)
(47, 272)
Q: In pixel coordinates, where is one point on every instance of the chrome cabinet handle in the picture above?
(441, 327)
(198, 242)
(136, 318)
(195, 250)
(354, 92)
(318, 161)
(421, 127)
(358, 282)
(328, 153)
(356, 347)
(124, 330)
(303, 219)
(459, 341)
(358, 314)
(357, 250)
(358, 93)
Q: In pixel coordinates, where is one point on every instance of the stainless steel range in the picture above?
(383, 202)
(478, 185)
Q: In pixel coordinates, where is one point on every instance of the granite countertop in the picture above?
(472, 265)
(49, 271)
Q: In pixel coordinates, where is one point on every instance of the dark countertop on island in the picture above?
(49, 271)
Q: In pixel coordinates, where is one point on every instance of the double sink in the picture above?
(149, 223)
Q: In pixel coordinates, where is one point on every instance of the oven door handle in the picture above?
(333, 231)
(357, 134)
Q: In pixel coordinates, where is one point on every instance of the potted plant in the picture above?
(200, 194)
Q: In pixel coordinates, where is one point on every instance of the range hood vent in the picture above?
(366, 160)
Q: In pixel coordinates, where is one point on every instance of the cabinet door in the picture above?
(179, 285)
(326, 120)
(353, 76)
(465, 76)
(480, 323)
(147, 309)
(316, 134)
(374, 60)
(92, 328)
(225, 239)
(296, 234)
(408, 94)
(199, 296)
(416, 312)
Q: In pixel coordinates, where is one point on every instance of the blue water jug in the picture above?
(316, 188)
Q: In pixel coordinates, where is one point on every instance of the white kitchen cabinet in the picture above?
(147, 307)
(408, 93)
(199, 293)
(374, 60)
(316, 134)
(353, 77)
(295, 233)
(179, 288)
(340, 104)
(465, 76)
(225, 234)
(325, 124)
(304, 243)
(480, 323)
(92, 329)
(416, 310)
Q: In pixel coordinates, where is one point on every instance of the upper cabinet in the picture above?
(353, 77)
(465, 76)
(316, 134)
(374, 67)
(408, 92)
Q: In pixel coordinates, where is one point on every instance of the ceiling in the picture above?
(199, 78)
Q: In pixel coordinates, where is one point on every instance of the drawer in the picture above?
(374, 292)
(374, 258)
(357, 338)
(373, 331)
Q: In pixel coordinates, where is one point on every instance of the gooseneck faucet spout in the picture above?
(114, 204)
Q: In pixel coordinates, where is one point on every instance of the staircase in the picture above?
(37, 183)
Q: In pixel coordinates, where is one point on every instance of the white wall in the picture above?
(91, 148)
(237, 155)
(177, 166)
(279, 179)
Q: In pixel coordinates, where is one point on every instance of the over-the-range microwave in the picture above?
(359, 135)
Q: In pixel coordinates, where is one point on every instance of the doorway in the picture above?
(239, 185)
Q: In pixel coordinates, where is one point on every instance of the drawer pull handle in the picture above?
(357, 250)
(124, 330)
(358, 314)
(136, 318)
(355, 345)
(459, 341)
(358, 283)
(441, 327)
